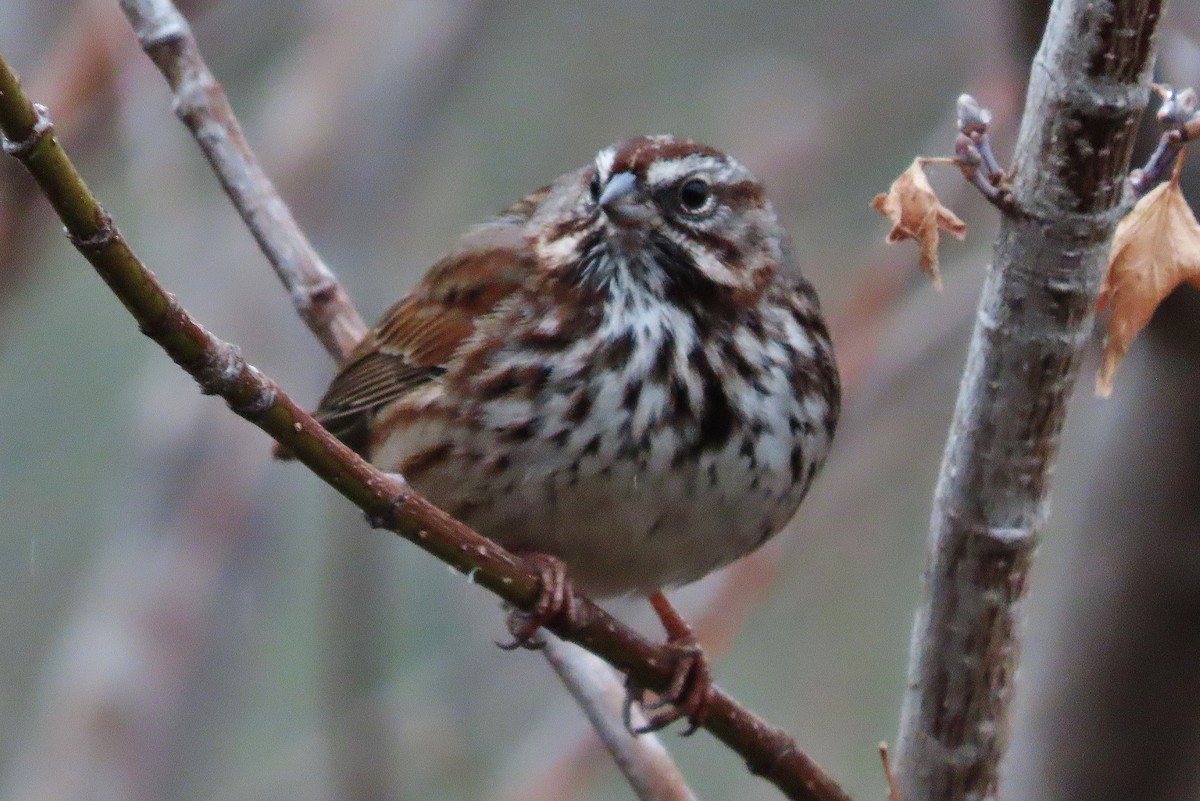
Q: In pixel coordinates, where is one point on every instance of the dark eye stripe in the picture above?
(743, 194)
(724, 247)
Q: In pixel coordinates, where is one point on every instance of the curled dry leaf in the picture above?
(916, 213)
(1155, 249)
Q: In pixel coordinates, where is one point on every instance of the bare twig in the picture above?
(1088, 88)
(888, 775)
(1181, 124)
(974, 155)
(201, 104)
(386, 499)
(601, 695)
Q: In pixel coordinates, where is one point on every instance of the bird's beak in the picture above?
(619, 187)
(621, 201)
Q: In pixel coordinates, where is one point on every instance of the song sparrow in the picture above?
(625, 371)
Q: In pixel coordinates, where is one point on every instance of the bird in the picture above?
(623, 377)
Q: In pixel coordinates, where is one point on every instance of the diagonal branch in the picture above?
(201, 104)
(386, 499)
(1088, 88)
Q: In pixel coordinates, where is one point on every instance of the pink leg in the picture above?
(691, 683)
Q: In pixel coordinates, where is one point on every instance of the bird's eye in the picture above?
(694, 195)
(594, 187)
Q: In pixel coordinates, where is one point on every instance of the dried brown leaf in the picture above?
(1155, 249)
(916, 213)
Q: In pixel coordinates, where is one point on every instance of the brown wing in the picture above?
(414, 339)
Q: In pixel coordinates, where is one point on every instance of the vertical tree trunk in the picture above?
(1088, 88)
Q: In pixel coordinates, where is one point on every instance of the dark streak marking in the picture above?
(616, 352)
(663, 358)
(520, 432)
(580, 407)
(797, 463)
(681, 405)
(633, 391)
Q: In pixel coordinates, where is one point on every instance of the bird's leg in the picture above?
(554, 600)
(691, 681)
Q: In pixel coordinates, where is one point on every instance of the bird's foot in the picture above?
(554, 601)
(690, 691)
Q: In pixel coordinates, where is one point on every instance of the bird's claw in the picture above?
(554, 601)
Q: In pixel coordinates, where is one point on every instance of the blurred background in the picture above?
(182, 618)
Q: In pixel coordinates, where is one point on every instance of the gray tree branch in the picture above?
(1088, 88)
(201, 104)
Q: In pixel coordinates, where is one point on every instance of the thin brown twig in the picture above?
(885, 758)
(386, 499)
(201, 104)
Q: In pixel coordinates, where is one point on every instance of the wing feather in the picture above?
(416, 337)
